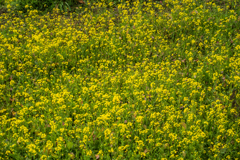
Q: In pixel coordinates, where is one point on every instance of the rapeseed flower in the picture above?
(155, 80)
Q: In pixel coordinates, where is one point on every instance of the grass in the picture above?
(158, 80)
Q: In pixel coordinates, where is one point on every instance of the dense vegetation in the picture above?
(119, 79)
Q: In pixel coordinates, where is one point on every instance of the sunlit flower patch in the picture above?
(146, 80)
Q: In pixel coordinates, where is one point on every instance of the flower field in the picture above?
(133, 80)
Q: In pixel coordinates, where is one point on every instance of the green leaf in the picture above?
(68, 6)
(54, 155)
(61, 6)
(223, 150)
(69, 145)
(65, 8)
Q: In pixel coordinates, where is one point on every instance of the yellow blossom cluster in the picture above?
(150, 80)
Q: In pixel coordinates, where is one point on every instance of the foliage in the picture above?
(41, 6)
(2, 2)
(131, 80)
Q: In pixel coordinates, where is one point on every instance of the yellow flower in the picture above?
(111, 150)
(139, 119)
(89, 153)
(43, 157)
